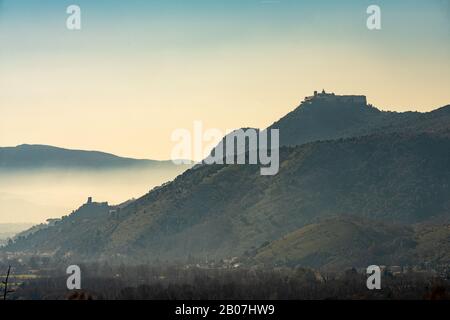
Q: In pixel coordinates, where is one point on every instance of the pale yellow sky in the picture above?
(124, 88)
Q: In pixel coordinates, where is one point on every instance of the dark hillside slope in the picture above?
(221, 210)
(340, 242)
(328, 120)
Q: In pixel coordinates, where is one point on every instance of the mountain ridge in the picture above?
(324, 120)
(397, 174)
(28, 156)
(196, 214)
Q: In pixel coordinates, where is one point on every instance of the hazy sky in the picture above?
(140, 69)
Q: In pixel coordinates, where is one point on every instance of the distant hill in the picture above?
(48, 157)
(392, 171)
(39, 182)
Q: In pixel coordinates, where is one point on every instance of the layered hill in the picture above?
(38, 182)
(223, 210)
(398, 173)
(48, 157)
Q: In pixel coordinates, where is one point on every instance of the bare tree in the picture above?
(5, 283)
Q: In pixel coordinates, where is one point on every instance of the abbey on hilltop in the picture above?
(331, 97)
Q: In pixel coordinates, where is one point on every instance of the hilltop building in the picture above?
(331, 97)
(90, 202)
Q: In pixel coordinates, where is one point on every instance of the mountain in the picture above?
(42, 157)
(328, 117)
(224, 210)
(398, 174)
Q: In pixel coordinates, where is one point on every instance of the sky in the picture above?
(140, 69)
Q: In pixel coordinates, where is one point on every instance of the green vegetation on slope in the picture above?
(222, 210)
(399, 175)
(340, 242)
